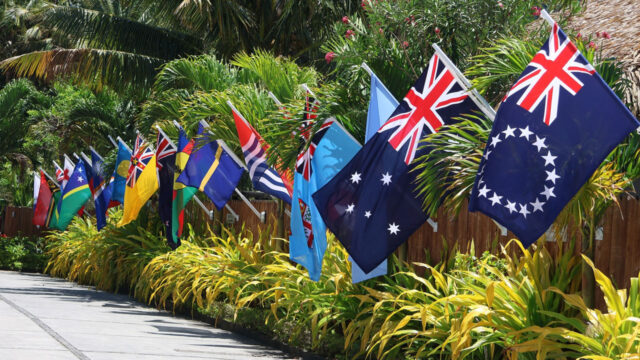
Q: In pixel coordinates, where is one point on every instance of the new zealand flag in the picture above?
(371, 205)
(553, 129)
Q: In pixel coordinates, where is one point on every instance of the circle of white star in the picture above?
(545, 154)
(393, 229)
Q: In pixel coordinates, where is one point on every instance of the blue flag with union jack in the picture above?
(371, 205)
(553, 129)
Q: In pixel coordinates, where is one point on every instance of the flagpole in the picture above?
(372, 74)
(123, 143)
(56, 165)
(306, 88)
(475, 96)
(177, 124)
(166, 137)
(112, 141)
(275, 99)
(68, 159)
(95, 152)
(49, 177)
(86, 158)
(545, 15)
(260, 215)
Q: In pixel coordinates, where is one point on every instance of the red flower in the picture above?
(437, 30)
(345, 19)
(380, 31)
(536, 11)
(606, 35)
(349, 34)
(598, 34)
(592, 45)
(579, 36)
(405, 44)
(364, 4)
(329, 56)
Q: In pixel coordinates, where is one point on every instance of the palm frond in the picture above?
(196, 73)
(97, 68)
(94, 29)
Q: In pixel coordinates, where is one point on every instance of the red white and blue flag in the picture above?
(263, 177)
(553, 129)
(142, 154)
(371, 205)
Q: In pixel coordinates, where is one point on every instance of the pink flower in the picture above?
(579, 36)
(592, 45)
(364, 4)
(606, 35)
(380, 31)
(329, 56)
(349, 34)
(598, 34)
(536, 11)
(345, 19)
(437, 30)
(500, 5)
(405, 44)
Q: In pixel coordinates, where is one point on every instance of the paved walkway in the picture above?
(45, 318)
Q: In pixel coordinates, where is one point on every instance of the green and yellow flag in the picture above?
(74, 196)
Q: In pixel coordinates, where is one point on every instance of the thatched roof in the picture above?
(621, 20)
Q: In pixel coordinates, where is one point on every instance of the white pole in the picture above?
(69, 160)
(260, 215)
(199, 202)
(235, 215)
(484, 106)
(165, 135)
(76, 156)
(56, 165)
(95, 152)
(112, 141)
(124, 143)
(275, 99)
(306, 88)
(86, 158)
(177, 124)
(366, 68)
(545, 15)
(49, 177)
(433, 224)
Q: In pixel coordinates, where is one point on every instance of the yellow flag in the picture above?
(135, 197)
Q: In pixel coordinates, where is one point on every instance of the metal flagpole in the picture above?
(167, 137)
(86, 158)
(76, 156)
(112, 141)
(69, 160)
(545, 15)
(473, 93)
(260, 215)
(475, 96)
(49, 177)
(95, 152)
(275, 99)
(124, 143)
(56, 164)
(306, 88)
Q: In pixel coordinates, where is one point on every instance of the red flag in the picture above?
(43, 200)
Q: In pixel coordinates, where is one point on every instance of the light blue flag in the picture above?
(381, 106)
(334, 149)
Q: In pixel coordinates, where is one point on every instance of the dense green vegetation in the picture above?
(73, 73)
(521, 303)
(22, 254)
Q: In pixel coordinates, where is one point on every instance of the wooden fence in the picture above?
(18, 221)
(617, 244)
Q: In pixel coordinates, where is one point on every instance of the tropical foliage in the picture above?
(520, 303)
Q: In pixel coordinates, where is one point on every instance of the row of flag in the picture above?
(552, 130)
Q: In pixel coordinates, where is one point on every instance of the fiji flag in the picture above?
(331, 149)
(212, 170)
(553, 129)
(371, 205)
(263, 177)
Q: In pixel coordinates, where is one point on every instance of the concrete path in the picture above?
(45, 318)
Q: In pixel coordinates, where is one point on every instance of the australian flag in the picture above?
(553, 129)
(263, 177)
(371, 205)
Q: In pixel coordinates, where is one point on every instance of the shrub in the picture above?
(22, 254)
